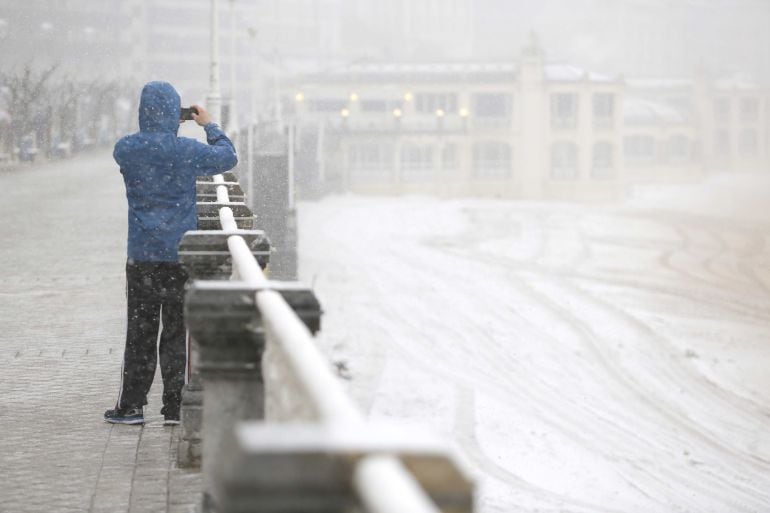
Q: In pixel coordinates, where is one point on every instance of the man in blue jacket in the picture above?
(159, 170)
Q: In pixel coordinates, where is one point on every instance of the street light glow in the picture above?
(440, 113)
(408, 97)
(397, 113)
(344, 113)
(353, 97)
(299, 97)
(464, 113)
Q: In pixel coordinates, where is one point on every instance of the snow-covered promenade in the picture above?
(62, 305)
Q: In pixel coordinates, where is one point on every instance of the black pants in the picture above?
(155, 295)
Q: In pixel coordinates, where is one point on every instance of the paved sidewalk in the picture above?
(62, 315)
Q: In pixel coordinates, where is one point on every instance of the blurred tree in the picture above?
(58, 113)
(22, 96)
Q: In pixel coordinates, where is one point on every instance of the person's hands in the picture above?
(203, 118)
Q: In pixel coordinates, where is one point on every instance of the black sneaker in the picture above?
(170, 416)
(124, 416)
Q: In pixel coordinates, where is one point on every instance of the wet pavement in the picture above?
(62, 306)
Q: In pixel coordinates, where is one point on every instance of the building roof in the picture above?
(641, 111)
(435, 68)
(419, 71)
(737, 82)
(570, 73)
(659, 83)
(458, 71)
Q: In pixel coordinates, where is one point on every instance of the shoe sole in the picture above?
(126, 421)
(170, 422)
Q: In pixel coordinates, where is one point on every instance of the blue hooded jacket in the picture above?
(159, 170)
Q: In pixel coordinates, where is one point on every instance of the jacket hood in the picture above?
(159, 108)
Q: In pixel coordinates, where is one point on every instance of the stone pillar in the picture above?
(231, 344)
(205, 256)
(279, 468)
(531, 155)
(207, 191)
(208, 215)
(222, 316)
(189, 450)
(234, 390)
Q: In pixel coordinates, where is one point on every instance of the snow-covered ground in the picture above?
(580, 358)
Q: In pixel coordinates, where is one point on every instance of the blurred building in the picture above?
(659, 38)
(729, 119)
(407, 30)
(276, 39)
(528, 129)
(84, 39)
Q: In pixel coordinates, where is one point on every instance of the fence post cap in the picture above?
(274, 466)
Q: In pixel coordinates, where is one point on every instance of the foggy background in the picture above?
(434, 161)
(140, 40)
(79, 60)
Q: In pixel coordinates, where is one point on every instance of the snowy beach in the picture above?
(579, 358)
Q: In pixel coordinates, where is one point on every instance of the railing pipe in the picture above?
(382, 483)
(222, 195)
(283, 325)
(296, 344)
(244, 264)
(227, 219)
(385, 486)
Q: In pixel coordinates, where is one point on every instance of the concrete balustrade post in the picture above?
(205, 256)
(322, 468)
(207, 191)
(223, 318)
(230, 348)
(189, 448)
(208, 215)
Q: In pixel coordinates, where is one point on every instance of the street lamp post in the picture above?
(253, 111)
(214, 98)
(232, 118)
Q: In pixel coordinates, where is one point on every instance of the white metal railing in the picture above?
(381, 481)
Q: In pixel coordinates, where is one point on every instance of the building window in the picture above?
(327, 105)
(603, 110)
(602, 167)
(429, 103)
(416, 162)
(722, 143)
(370, 162)
(722, 110)
(747, 142)
(492, 105)
(450, 160)
(564, 161)
(564, 108)
(491, 160)
(749, 109)
(678, 148)
(375, 105)
(639, 149)
(288, 105)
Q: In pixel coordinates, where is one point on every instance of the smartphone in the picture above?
(187, 112)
